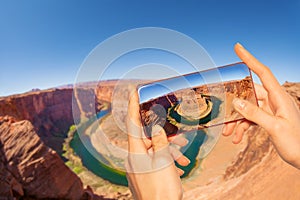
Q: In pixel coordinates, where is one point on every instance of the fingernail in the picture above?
(224, 129)
(235, 140)
(239, 44)
(180, 172)
(239, 104)
(186, 141)
(187, 161)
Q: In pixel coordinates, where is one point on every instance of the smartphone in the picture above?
(195, 101)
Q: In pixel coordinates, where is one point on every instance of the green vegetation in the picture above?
(73, 161)
(94, 165)
(80, 159)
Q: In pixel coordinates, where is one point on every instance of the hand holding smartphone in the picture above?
(195, 101)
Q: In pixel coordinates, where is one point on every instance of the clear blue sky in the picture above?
(43, 43)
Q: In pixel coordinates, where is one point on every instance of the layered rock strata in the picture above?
(30, 169)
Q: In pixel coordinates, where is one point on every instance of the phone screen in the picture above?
(195, 101)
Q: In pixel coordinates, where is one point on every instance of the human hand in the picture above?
(277, 112)
(151, 171)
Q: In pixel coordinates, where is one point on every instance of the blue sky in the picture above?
(43, 43)
(193, 80)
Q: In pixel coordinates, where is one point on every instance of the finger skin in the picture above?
(179, 140)
(255, 114)
(228, 128)
(134, 128)
(264, 73)
(277, 114)
(183, 161)
(162, 180)
(240, 130)
(260, 91)
(179, 157)
(176, 153)
(159, 138)
(270, 83)
(179, 171)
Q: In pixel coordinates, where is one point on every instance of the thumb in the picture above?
(255, 114)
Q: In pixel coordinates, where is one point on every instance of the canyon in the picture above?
(34, 126)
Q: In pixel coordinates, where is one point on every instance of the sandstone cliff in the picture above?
(27, 165)
(50, 112)
(29, 169)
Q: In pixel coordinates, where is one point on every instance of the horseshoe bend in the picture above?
(39, 158)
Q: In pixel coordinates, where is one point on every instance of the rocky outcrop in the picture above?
(31, 169)
(258, 146)
(50, 112)
(294, 90)
(28, 166)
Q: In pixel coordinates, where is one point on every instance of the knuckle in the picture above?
(277, 127)
(251, 110)
(266, 71)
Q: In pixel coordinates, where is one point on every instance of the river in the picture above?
(104, 170)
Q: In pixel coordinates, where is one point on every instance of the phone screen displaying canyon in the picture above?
(195, 101)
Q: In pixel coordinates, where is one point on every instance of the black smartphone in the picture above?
(195, 101)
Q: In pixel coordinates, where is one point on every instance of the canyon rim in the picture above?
(34, 127)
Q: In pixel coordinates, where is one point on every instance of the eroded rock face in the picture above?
(28, 168)
(31, 169)
(258, 146)
(50, 112)
(9, 186)
(294, 90)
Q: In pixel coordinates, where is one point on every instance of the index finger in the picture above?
(134, 127)
(267, 78)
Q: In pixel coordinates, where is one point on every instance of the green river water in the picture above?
(103, 169)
